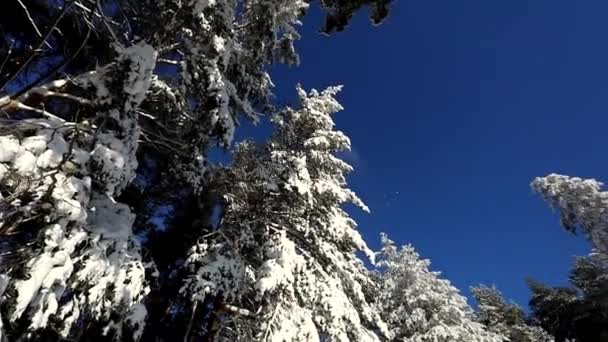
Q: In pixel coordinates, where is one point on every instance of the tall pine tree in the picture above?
(283, 259)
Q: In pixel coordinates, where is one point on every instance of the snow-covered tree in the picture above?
(59, 177)
(283, 259)
(579, 314)
(582, 205)
(419, 306)
(590, 275)
(505, 319)
(107, 120)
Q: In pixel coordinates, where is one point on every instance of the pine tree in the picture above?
(419, 306)
(505, 319)
(283, 259)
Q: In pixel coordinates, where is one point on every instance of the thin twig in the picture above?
(8, 55)
(58, 67)
(44, 39)
(105, 21)
(39, 111)
(276, 309)
(168, 61)
(29, 16)
(194, 306)
(49, 93)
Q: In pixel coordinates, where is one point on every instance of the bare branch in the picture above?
(49, 93)
(39, 111)
(194, 306)
(60, 66)
(29, 16)
(106, 21)
(35, 51)
(168, 61)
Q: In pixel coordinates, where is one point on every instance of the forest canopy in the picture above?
(116, 225)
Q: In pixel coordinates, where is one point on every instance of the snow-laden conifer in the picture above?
(418, 305)
(504, 318)
(283, 259)
(582, 205)
(61, 176)
(567, 313)
(108, 119)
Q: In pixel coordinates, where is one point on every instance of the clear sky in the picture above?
(453, 107)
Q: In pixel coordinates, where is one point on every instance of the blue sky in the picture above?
(453, 108)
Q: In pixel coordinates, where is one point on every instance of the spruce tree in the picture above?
(504, 318)
(283, 258)
(108, 119)
(577, 314)
(419, 306)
